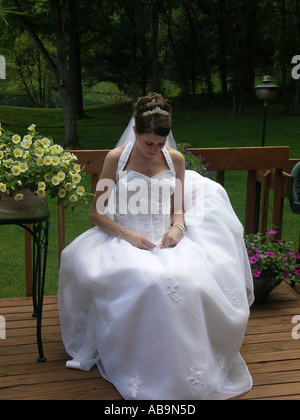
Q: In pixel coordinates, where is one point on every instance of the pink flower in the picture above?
(285, 274)
(272, 232)
(270, 254)
(256, 272)
(254, 259)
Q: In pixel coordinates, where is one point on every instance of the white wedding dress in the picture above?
(166, 324)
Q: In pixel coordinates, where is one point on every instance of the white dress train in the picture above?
(166, 324)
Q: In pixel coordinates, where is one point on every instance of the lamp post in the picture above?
(265, 90)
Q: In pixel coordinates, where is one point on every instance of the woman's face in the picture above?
(150, 144)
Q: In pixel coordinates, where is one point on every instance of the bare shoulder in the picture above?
(177, 157)
(111, 162)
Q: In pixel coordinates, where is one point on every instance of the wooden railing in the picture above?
(266, 166)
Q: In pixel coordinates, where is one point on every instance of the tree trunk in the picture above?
(75, 60)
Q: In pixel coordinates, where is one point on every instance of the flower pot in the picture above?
(264, 285)
(8, 204)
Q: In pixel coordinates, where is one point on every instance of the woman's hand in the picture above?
(172, 237)
(138, 240)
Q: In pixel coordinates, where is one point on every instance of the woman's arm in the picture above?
(174, 235)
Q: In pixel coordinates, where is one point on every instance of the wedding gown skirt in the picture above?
(162, 324)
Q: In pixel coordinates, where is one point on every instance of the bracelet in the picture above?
(121, 233)
(179, 226)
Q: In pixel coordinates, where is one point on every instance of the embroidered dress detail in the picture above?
(135, 383)
(196, 379)
(172, 290)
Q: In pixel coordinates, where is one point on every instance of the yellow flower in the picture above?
(1, 155)
(42, 186)
(41, 193)
(2, 187)
(26, 143)
(16, 170)
(23, 167)
(61, 175)
(40, 162)
(45, 142)
(62, 193)
(55, 180)
(39, 152)
(19, 197)
(48, 160)
(76, 178)
(73, 198)
(80, 191)
(55, 161)
(32, 127)
(77, 167)
(16, 138)
(18, 152)
(68, 186)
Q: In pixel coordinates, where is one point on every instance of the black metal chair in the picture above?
(295, 198)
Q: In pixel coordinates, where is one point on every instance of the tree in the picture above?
(62, 12)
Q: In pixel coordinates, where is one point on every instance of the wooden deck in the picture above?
(272, 355)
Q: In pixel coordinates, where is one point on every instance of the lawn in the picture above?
(198, 124)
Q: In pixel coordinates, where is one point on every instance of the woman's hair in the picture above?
(152, 113)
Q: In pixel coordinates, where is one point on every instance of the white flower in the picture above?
(16, 170)
(73, 198)
(32, 127)
(55, 161)
(42, 186)
(55, 180)
(80, 191)
(19, 197)
(68, 186)
(1, 154)
(61, 175)
(2, 187)
(76, 178)
(40, 162)
(39, 152)
(41, 193)
(26, 143)
(48, 160)
(62, 193)
(16, 138)
(18, 153)
(23, 167)
(45, 142)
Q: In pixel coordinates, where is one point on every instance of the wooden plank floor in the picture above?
(272, 355)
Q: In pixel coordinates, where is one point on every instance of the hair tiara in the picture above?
(156, 111)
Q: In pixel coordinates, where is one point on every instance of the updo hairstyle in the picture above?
(156, 121)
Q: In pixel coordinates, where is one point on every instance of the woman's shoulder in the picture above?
(176, 156)
(115, 154)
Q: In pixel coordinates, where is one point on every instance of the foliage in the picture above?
(194, 163)
(35, 162)
(267, 254)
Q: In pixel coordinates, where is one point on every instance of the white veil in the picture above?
(129, 136)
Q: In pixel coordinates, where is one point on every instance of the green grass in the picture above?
(200, 125)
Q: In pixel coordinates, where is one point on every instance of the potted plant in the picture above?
(34, 165)
(271, 262)
(193, 162)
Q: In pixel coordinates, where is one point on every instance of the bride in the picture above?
(157, 294)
